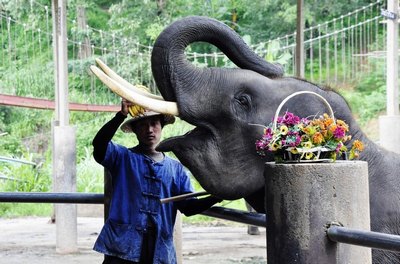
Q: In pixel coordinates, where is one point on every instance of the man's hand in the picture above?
(125, 104)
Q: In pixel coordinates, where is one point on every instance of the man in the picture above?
(139, 228)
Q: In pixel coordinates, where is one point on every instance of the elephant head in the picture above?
(224, 105)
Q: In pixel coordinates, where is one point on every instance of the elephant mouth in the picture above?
(189, 141)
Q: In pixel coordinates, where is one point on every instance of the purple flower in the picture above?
(268, 131)
(339, 132)
(260, 144)
(291, 119)
(280, 120)
(338, 147)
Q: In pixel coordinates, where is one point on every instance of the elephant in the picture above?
(224, 103)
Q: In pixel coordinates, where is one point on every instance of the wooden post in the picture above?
(303, 198)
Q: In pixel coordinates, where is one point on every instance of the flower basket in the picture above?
(294, 139)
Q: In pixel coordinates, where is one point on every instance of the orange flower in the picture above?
(317, 138)
(332, 128)
(328, 121)
(358, 145)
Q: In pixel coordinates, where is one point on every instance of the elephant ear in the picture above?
(168, 56)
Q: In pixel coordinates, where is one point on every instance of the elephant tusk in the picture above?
(159, 106)
(113, 75)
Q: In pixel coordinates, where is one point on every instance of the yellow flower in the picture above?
(275, 146)
(309, 155)
(309, 130)
(284, 130)
(307, 144)
(294, 151)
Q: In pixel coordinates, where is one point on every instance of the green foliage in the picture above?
(368, 99)
(19, 125)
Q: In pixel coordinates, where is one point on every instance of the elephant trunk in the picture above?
(174, 74)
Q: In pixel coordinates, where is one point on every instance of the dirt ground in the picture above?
(33, 240)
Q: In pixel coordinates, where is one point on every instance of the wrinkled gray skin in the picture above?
(222, 102)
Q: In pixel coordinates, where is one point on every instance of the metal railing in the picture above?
(335, 232)
(244, 217)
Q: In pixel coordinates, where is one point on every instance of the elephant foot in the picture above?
(253, 230)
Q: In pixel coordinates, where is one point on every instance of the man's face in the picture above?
(148, 130)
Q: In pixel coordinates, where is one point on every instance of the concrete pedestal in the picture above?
(303, 198)
(64, 173)
(389, 132)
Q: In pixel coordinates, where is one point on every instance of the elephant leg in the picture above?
(251, 230)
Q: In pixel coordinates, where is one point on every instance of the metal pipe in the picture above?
(6, 159)
(244, 217)
(364, 238)
(41, 197)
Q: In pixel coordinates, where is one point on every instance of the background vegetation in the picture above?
(27, 132)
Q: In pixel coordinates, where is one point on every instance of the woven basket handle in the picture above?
(298, 93)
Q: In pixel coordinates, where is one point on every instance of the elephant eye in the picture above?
(244, 101)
